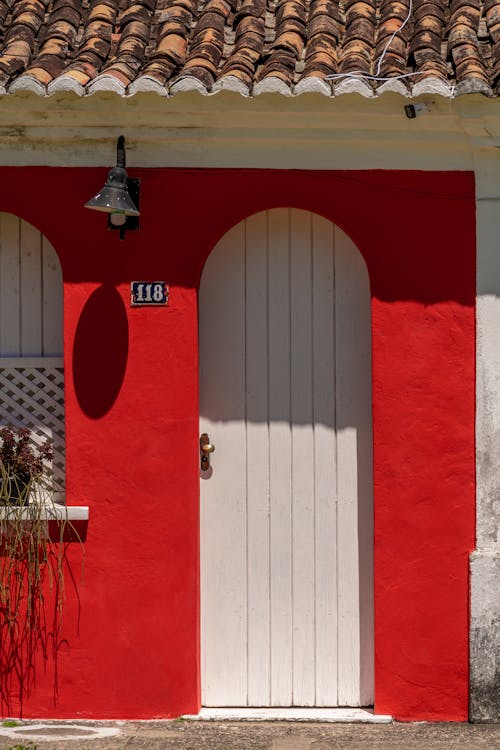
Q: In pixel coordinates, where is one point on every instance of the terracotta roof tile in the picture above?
(250, 46)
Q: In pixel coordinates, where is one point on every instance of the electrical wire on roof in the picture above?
(360, 75)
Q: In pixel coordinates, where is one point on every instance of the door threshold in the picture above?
(346, 715)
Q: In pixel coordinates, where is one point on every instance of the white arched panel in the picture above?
(31, 337)
(286, 511)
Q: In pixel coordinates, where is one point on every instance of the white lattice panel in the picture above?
(34, 397)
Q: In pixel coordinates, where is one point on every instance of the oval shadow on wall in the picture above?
(100, 351)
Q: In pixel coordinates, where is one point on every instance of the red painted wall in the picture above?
(129, 643)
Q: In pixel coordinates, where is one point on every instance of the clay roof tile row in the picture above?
(250, 46)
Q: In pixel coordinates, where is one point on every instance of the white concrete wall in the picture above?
(485, 562)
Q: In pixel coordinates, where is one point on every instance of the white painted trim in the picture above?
(23, 362)
(434, 86)
(272, 85)
(147, 84)
(188, 84)
(353, 86)
(106, 82)
(28, 83)
(48, 513)
(313, 86)
(394, 87)
(65, 83)
(473, 86)
(231, 83)
(340, 715)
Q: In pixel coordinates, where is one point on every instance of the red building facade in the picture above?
(129, 647)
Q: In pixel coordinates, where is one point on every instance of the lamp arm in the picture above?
(120, 152)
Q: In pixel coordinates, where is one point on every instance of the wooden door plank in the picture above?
(31, 290)
(52, 301)
(303, 559)
(280, 451)
(347, 484)
(10, 290)
(325, 470)
(353, 422)
(223, 500)
(257, 416)
(360, 415)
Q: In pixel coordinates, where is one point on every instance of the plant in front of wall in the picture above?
(25, 548)
(23, 466)
(32, 564)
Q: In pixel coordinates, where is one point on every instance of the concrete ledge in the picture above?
(47, 513)
(344, 715)
(485, 637)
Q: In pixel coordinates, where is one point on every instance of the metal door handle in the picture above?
(206, 448)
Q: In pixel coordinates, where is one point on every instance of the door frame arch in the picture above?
(349, 264)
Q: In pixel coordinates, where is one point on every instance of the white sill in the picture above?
(47, 513)
(334, 715)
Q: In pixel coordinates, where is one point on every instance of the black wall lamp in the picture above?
(119, 198)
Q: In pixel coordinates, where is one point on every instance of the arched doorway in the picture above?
(31, 338)
(286, 509)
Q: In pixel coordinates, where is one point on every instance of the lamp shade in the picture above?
(114, 196)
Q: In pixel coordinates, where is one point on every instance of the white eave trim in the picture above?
(65, 83)
(312, 85)
(28, 83)
(231, 83)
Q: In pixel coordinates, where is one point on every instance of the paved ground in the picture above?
(197, 735)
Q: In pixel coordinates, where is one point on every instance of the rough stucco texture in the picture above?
(485, 637)
(129, 645)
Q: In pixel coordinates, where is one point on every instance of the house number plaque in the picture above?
(148, 293)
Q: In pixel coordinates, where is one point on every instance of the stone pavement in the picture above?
(245, 735)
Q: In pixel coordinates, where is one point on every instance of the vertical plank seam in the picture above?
(268, 480)
(245, 386)
(337, 499)
(313, 415)
(268, 351)
(290, 423)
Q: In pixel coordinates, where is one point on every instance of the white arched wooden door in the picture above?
(31, 338)
(286, 509)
